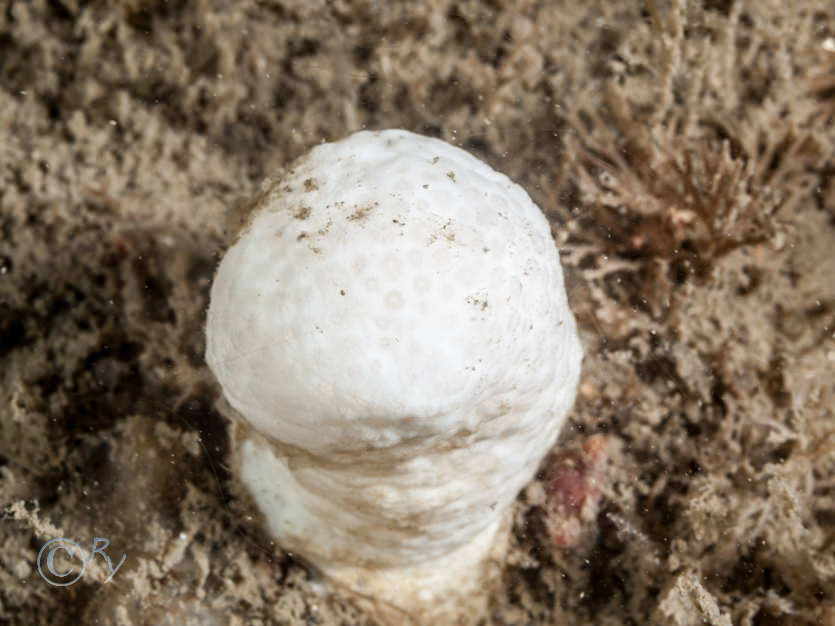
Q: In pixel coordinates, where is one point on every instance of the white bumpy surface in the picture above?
(393, 326)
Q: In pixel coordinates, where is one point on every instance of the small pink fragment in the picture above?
(572, 488)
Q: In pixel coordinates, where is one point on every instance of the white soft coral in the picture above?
(393, 326)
